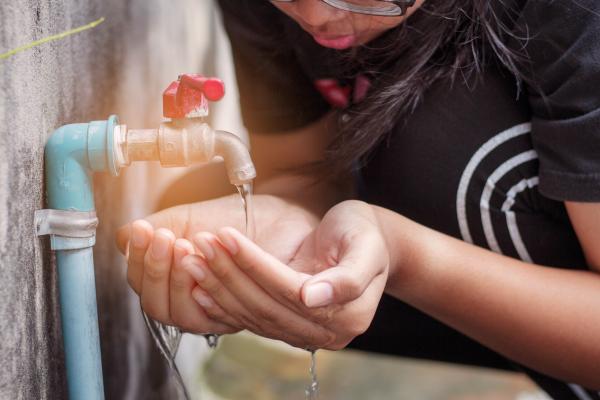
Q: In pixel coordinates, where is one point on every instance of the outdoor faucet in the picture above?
(186, 139)
(73, 154)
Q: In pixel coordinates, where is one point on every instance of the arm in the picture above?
(276, 155)
(545, 318)
(286, 210)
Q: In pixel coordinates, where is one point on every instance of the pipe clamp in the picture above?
(69, 230)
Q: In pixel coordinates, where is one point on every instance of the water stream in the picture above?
(166, 337)
(312, 390)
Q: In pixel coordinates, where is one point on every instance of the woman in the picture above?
(471, 130)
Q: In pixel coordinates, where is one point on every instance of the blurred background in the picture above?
(121, 67)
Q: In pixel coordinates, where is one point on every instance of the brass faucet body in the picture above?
(182, 142)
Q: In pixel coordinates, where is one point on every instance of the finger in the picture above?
(155, 280)
(141, 235)
(174, 219)
(279, 280)
(217, 314)
(184, 311)
(214, 291)
(265, 313)
(122, 238)
(361, 260)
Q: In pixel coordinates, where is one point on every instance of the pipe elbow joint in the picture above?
(73, 152)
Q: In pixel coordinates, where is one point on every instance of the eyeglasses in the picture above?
(386, 8)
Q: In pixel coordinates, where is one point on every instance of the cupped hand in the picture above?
(324, 297)
(156, 245)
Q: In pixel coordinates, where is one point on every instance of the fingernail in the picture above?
(202, 299)
(230, 244)
(194, 268)
(205, 248)
(318, 295)
(160, 246)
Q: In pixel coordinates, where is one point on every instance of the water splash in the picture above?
(212, 340)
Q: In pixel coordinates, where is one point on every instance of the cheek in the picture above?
(286, 8)
(370, 27)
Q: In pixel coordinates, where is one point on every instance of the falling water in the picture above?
(166, 337)
(312, 390)
(245, 192)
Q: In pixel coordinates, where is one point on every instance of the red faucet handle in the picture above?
(187, 97)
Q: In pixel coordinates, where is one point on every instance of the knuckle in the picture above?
(332, 341)
(249, 324)
(351, 288)
(322, 316)
(247, 264)
(156, 272)
(224, 274)
(215, 313)
(291, 294)
(266, 315)
(213, 287)
(179, 281)
(135, 256)
(319, 338)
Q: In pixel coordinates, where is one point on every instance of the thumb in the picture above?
(363, 259)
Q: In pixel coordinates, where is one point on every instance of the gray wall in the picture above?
(120, 67)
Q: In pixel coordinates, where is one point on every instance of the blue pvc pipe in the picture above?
(80, 323)
(72, 154)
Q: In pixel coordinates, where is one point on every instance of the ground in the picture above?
(249, 368)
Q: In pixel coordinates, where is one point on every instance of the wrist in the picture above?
(406, 241)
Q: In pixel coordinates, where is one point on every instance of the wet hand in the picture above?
(156, 274)
(154, 255)
(324, 297)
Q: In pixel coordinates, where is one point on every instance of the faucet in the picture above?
(72, 154)
(185, 138)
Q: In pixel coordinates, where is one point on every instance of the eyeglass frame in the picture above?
(403, 6)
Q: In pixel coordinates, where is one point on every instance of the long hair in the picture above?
(443, 40)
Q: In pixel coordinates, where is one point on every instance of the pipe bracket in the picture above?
(68, 230)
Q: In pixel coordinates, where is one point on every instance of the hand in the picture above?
(154, 255)
(325, 297)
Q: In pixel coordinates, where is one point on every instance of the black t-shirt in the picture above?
(476, 162)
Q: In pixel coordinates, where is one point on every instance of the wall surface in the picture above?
(120, 66)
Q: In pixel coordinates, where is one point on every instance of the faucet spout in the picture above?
(238, 163)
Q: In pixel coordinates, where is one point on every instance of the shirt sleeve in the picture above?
(275, 93)
(564, 94)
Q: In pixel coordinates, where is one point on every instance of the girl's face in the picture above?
(338, 29)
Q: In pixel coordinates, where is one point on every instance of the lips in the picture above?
(336, 42)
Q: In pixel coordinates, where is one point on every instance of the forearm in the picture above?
(281, 159)
(544, 318)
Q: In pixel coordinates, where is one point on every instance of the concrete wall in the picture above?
(120, 66)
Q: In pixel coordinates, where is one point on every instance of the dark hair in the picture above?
(443, 40)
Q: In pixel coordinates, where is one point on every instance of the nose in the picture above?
(317, 13)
